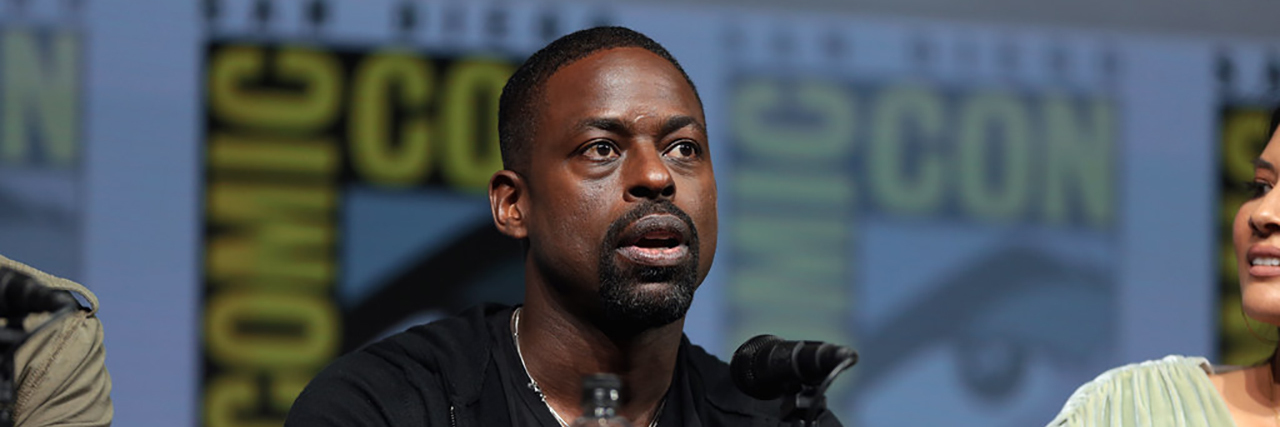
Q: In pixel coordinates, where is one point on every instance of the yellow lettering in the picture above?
(830, 141)
(981, 117)
(814, 261)
(279, 234)
(900, 109)
(239, 152)
(1080, 155)
(317, 74)
(374, 156)
(230, 399)
(792, 186)
(470, 123)
(265, 329)
(40, 89)
(1244, 134)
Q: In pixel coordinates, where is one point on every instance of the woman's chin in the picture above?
(1261, 302)
(1266, 312)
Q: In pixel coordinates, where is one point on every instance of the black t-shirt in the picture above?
(463, 371)
(529, 406)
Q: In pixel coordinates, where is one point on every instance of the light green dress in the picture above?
(1170, 392)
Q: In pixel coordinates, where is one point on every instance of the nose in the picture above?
(647, 175)
(1265, 218)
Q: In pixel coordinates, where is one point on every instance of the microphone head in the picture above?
(749, 361)
(766, 367)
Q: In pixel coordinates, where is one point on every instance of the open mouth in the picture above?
(1264, 261)
(1267, 261)
(658, 239)
(655, 240)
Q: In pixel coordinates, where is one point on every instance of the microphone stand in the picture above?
(12, 336)
(801, 408)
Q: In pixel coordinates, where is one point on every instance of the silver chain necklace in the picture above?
(533, 384)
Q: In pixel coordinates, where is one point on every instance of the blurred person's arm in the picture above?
(61, 374)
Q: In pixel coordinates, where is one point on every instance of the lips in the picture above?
(1264, 261)
(659, 240)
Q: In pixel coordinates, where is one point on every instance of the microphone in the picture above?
(21, 294)
(766, 367)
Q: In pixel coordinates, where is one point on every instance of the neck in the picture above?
(1271, 376)
(560, 348)
(1274, 359)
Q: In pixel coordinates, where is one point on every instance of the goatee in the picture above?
(630, 308)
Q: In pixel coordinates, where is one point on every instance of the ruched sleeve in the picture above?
(1170, 392)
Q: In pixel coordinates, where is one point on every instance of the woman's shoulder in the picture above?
(1175, 390)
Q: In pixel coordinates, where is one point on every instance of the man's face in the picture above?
(621, 192)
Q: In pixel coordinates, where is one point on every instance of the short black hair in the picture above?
(1275, 121)
(517, 107)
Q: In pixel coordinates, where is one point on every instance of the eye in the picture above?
(684, 150)
(1257, 189)
(600, 151)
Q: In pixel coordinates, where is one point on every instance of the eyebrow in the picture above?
(1258, 163)
(606, 124)
(679, 122)
(615, 125)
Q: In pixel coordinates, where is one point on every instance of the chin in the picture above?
(1261, 302)
(644, 306)
(1269, 315)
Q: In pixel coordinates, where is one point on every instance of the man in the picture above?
(608, 185)
(60, 372)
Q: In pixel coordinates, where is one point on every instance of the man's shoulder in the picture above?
(713, 375)
(432, 364)
(459, 336)
(457, 344)
(707, 364)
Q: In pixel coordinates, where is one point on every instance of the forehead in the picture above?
(1273, 142)
(1271, 152)
(618, 82)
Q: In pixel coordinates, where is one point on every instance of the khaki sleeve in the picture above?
(61, 374)
(60, 371)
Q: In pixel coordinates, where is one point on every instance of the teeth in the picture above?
(1266, 261)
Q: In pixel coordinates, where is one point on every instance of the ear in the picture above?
(508, 201)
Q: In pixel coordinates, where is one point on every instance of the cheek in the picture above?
(560, 218)
(1240, 230)
(702, 208)
(584, 217)
(710, 225)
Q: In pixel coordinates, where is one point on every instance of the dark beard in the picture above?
(627, 309)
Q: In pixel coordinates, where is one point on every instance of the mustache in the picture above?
(652, 208)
